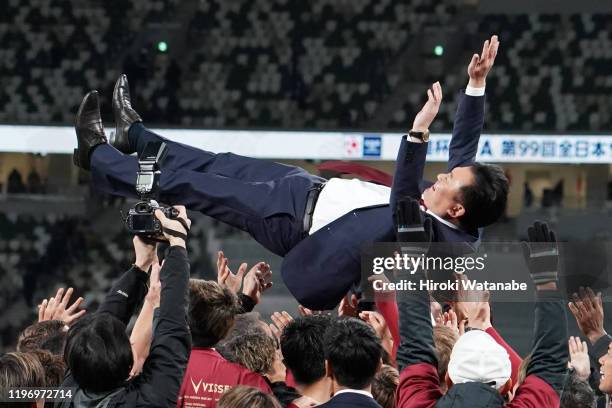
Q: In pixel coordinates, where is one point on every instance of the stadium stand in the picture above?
(325, 65)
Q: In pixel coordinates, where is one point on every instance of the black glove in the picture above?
(541, 253)
(412, 228)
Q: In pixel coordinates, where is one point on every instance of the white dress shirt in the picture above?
(341, 196)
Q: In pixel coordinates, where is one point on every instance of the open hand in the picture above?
(256, 281)
(56, 308)
(225, 276)
(428, 113)
(480, 65)
(281, 320)
(588, 311)
(579, 358)
(348, 306)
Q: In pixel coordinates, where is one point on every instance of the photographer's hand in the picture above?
(146, 253)
(174, 231)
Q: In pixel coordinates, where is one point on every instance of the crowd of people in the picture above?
(199, 343)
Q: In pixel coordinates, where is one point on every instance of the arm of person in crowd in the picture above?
(388, 309)
(142, 333)
(56, 308)
(280, 320)
(411, 155)
(380, 326)
(471, 108)
(579, 358)
(386, 304)
(474, 306)
(129, 290)
(419, 385)
(587, 309)
(255, 282)
(548, 365)
(163, 370)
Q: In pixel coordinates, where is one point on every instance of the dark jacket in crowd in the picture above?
(351, 400)
(158, 384)
(419, 384)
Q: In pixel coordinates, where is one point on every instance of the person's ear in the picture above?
(456, 211)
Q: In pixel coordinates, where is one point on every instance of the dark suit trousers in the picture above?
(264, 198)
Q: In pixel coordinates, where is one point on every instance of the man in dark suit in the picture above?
(317, 225)
(353, 356)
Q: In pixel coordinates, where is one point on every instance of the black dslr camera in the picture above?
(141, 218)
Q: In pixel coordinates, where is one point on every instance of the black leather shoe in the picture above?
(125, 116)
(89, 129)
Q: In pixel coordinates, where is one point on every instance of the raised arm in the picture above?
(129, 290)
(587, 309)
(411, 156)
(548, 365)
(419, 384)
(142, 333)
(474, 306)
(471, 109)
(163, 370)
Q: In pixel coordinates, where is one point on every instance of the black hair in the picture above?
(303, 348)
(577, 393)
(485, 199)
(353, 351)
(98, 352)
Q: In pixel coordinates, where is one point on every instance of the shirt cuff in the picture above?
(412, 139)
(471, 91)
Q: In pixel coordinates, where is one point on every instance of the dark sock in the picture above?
(134, 134)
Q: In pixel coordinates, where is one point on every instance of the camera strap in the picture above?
(178, 234)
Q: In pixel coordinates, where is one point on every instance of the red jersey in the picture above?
(209, 375)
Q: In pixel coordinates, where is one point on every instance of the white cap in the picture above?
(476, 357)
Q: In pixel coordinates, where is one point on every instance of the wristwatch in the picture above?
(424, 136)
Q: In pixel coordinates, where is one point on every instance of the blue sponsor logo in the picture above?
(372, 146)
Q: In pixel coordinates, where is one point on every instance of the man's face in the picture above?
(605, 384)
(443, 197)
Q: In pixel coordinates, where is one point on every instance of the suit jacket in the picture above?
(322, 267)
(350, 400)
